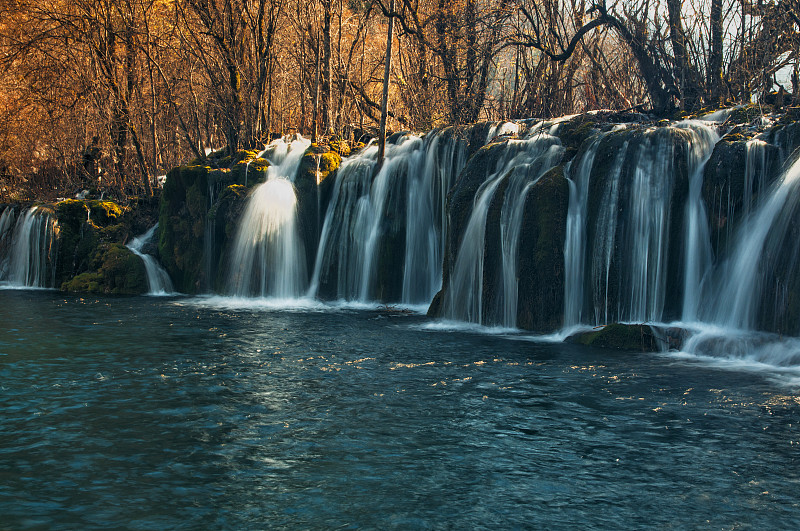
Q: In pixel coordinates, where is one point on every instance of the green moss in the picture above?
(104, 211)
(117, 271)
(89, 282)
(340, 147)
(745, 114)
(574, 132)
(71, 211)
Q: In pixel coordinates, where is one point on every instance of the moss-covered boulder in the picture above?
(115, 270)
(223, 219)
(629, 337)
(86, 229)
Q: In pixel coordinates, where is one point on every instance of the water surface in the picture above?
(149, 413)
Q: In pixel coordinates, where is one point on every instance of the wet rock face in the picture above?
(182, 219)
(628, 337)
(541, 257)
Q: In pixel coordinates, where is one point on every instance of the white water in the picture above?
(464, 296)
(575, 240)
(31, 252)
(756, 248)
(268, 255)
(697, 240)
(605, 236)
(369, 212)
(158, 280)
(427, 218)
(526, 172)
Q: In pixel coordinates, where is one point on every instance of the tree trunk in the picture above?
(385, 101)
(715, 54)
(327, 85)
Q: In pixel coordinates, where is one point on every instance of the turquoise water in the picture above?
(180, 413)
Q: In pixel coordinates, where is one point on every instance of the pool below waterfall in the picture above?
(189, 413)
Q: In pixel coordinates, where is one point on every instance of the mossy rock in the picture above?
(629, 337)
(573, 133)
(118, 271)
(248, 172)
(72, 211)
(340, 147)
(746, 114)
(89, 282)
(104, 211)
(182, 218)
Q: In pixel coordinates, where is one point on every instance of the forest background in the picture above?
(108, 94)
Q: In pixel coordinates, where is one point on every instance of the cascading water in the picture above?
(268, 255)
(32, 251)
(522, 163)
(427, 218)
(697, 250)
(376, 222)
(575, 241)
(756, 248)
(157, 278)
(7, 219)
(524, 175)
(604, 240)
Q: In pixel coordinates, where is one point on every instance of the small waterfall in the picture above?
(32, 250)
(427, 218)
(383, 234)
(575, 241)
(341, 254)
(209, 241)
(268, 255)
(464, 297)
(157, 278)
(755, 175)
(757, 246)
(697, 249)
(7, 219)
(524, 175)
(605, 238)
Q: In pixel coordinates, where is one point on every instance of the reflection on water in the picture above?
(177, 413)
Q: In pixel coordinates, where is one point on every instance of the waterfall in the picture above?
(383, 234)
(755, 175)
(697, 249)
(268, 255)
(605, 237)
(31, 252)
(7, 219)
(575, 241)
(523, 176)
(756, 248)
(427, 218)
(522, 163)
(158, 280)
